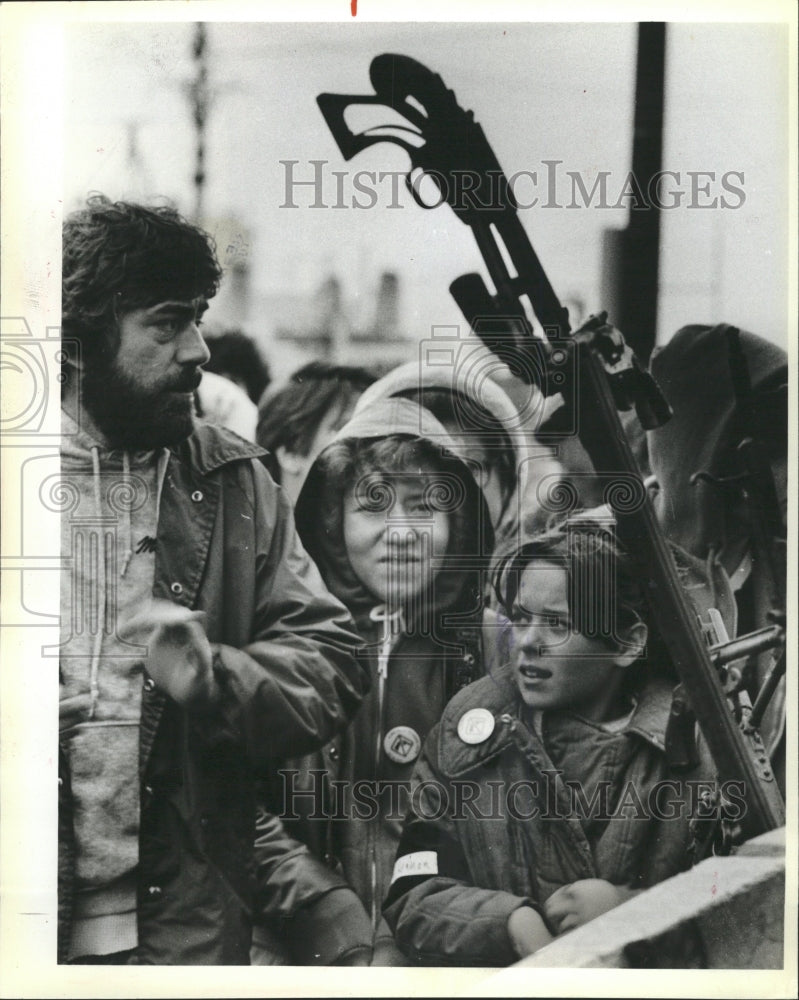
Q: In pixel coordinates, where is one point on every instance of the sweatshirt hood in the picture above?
(319, 517)
(469, 380)
(77, 448)
(460, 379)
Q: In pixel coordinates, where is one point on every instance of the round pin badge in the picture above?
(402, 744)
(476, 725)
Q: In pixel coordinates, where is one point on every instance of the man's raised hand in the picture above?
(179, 657)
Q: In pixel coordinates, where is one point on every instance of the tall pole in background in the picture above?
(199, 97)
(233, 237)
(632, 255)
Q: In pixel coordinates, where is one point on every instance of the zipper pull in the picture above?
(126, 561)
(392, 626)
(382, 657)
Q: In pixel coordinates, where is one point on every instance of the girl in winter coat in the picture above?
(545, 796)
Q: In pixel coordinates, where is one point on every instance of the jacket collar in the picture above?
(497, 694)
(209, 447)
(651, 715)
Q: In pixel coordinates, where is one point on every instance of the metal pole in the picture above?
(638, 294)
(199, 96)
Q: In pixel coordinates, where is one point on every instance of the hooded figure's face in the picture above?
(396, 533)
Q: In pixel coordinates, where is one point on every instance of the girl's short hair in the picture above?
(365, 461)
(604, 594)
(350, 460)
(462, 415)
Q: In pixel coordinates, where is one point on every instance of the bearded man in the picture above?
(198, 644)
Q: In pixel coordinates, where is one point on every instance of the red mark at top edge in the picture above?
(354, 8)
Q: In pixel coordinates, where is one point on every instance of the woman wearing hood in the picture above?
(400, 531)
(497, 437)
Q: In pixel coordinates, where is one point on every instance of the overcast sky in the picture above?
(541, 92)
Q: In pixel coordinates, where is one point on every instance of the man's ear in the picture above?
(635, 643)
(289, 461)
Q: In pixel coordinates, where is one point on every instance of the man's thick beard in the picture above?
(135, 420)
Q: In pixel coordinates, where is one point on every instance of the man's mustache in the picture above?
(188, 380)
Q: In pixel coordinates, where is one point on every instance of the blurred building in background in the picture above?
(233, 239)
(292, 328)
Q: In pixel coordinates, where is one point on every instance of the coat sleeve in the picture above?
(301, 676)
(437, 913)
(288, 875)
(313, 909)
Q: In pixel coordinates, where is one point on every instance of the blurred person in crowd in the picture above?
(298, 419)
(702, 500)
(234, 378)
(221, 401)
(236, 357)
(199, 644)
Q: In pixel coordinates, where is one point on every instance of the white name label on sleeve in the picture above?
(419, 863)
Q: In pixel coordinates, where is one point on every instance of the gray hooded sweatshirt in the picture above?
(108, 529)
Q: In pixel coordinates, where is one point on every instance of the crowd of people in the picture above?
(337, 685)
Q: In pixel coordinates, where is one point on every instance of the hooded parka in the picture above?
(348, 802)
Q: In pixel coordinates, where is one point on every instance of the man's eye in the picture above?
(169, 327)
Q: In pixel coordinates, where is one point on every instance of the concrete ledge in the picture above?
(771, 844)
(725, 913)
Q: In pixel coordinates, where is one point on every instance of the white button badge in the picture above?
(476, 725)
(402, 744)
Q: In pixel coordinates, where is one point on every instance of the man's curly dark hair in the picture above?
(120, 256)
